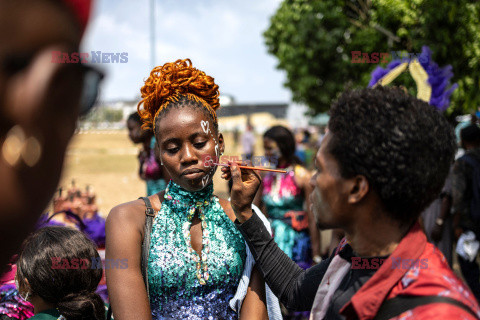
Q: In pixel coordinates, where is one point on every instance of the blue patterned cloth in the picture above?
(184, 285)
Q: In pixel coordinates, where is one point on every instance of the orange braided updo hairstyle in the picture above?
(176, 82)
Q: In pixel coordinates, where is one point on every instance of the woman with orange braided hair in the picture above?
(197, 260)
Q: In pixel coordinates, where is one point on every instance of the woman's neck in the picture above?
(282, 163)
(40, 305)
(146, 144)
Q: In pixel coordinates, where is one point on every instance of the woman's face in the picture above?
(135, 132)
(189, 146)
(271, 149)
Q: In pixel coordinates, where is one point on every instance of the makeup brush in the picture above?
(252, 168)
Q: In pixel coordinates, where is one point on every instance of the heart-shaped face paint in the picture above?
(205, 126)
(205, 180)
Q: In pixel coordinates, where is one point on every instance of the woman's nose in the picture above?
(188, 155)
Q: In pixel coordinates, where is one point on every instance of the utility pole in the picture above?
(152, 33)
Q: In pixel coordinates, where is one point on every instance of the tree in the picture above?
(313, 41)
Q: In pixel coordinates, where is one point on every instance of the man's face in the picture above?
(330, 193)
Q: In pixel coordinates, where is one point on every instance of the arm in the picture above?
(295, 287)
(254, 306)
(459, 205)
(443, 216)
(126, 289)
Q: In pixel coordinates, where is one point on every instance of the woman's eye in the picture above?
(172, 150)
(199, 144)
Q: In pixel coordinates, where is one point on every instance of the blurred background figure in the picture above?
(305, 150)
(283, 198)
(301, 145)
(248, 142)
(77, 210)
(466, 205)
(150, 169)
(473, 119)
(55, 274)
(235, 137)
(437, 221)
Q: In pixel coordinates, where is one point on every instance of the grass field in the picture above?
(108, 162)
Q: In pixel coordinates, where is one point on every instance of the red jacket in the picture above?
(435, 279)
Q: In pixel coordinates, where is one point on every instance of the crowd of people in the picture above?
(385, 179)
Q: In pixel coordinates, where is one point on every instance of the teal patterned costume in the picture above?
(282, 195)
(182, 284)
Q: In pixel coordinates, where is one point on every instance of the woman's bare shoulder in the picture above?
(128, 214)
(133, 213)
(227, 207)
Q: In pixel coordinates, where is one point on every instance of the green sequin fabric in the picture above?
(184, 285)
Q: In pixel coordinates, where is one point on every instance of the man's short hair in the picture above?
(402, 145)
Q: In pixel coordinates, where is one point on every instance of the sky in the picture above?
(221, 37)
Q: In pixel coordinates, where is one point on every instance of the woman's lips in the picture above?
(194, 175)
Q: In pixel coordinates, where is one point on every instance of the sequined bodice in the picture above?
(281, 194)
(184, 285)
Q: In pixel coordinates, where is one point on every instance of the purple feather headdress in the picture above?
(438, 78)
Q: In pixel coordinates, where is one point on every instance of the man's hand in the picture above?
(245, 186)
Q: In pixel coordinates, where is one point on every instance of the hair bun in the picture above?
(82, 305)
(171, 79)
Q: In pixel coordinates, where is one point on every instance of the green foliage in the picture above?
(313, 40)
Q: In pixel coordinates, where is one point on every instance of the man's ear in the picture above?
(358, 189)
(221, 143)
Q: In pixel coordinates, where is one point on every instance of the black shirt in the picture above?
(296, 288)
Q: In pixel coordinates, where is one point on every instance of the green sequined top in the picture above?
(182, 284)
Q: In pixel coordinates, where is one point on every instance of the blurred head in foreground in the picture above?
(40, 101)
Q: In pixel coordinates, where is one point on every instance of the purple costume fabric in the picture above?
(438, 78)
(12, 305)
(94, 227)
